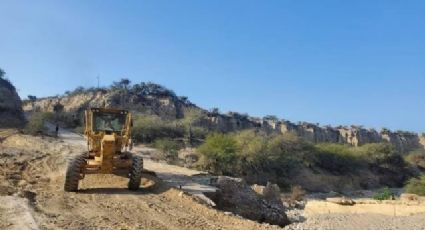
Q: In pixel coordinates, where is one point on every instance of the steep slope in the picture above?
(145, 98)
(11, 114)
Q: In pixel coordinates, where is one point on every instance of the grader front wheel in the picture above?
(73, 173)
(135, 173)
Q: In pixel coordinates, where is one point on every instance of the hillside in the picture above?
(154, 99)
(10, 105)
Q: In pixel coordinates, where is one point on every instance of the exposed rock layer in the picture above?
(155, 99)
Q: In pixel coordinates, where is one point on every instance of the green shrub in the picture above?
(148, 128)
(381, 154)
(199, 132)
(69, 120)
(284, 153)
(417, 158)
(195, 135)
(219, 153)
(336, 158)
(192, 116)
(254, 155)
(35, 124)
(252, 146)
(383, 194)
(168, 149)
(416, 186)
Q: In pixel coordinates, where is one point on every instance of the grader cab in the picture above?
(108, 134)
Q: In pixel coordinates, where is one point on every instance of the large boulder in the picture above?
(10, 106)
(235, 195)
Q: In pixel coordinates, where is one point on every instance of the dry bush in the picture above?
(416, 186)
(297, 193)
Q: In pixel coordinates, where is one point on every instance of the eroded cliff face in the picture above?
(167, 107)
(422, 139)
(154, 99)
(353, 135)
(11, 114)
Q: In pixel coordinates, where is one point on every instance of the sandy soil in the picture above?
(360, 221)
(31, 176)
(32, 197)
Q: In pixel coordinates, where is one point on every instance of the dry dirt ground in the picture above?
(360, 222)
(32, 197)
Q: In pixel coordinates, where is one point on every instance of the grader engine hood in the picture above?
(109, 143)
(109, 147)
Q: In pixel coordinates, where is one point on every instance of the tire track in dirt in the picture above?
(35, 170)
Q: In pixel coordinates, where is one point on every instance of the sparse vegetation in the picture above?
(148, 128)
(251, 154)
(417, 158)
(258, 156)
(384, 194)
(35, 124)
(168, 149)
(337, 158)
(2, 73)
(416, 186)
(124, 83)
(297, 193)
(381, 154)
(219, 152)
(5, 82)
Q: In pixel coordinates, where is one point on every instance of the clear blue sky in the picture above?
(330, 62)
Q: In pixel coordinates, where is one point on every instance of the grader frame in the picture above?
(108, 134)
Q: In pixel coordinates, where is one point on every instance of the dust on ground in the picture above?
(32, 173)
(32, 197)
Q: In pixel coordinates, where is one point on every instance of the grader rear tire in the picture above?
(73, 173)
(135, 173)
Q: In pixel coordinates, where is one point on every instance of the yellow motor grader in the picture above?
(108, 134)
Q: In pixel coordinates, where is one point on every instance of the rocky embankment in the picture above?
(353, 135)
(11, 114)
(149, 98)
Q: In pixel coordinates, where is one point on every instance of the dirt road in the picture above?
(31, 176)
(188, 180)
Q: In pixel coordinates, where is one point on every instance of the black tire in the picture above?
(135, 173)
(73, 173)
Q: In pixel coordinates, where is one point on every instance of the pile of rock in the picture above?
(259, 203)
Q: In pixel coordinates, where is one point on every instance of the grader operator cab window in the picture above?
(109, 122)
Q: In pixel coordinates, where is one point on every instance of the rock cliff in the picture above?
(149, 98)
(352, 135)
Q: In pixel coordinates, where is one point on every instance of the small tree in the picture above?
(2, 73)
(271, 118)
(215, 111)
(416, 186)
(219, 153)
(58, 108)
(32, 99)
(79, 89)
(124, 83)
